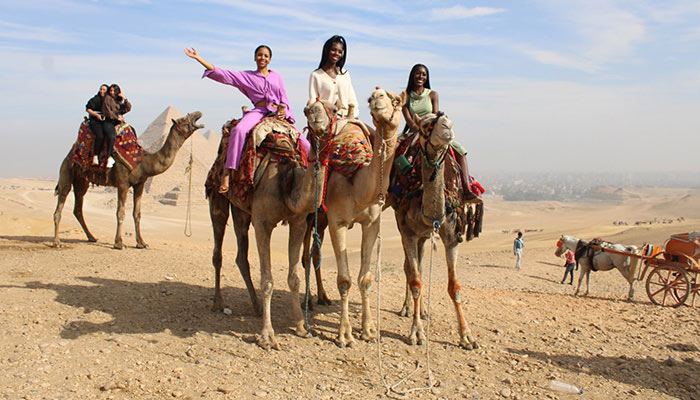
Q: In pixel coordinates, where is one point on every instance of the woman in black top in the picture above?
(114, 106)
(94, 108)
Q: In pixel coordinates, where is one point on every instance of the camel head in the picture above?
(187, 125)
(320, 115)
(436, 130)
(385, 107)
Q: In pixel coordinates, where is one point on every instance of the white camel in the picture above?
(601, 260)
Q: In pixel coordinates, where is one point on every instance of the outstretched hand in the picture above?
(192, 53)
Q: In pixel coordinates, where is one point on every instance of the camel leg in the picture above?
(62, 189)
(364, 278)
(241, 225)
(338, 237)
(122, 192)
(414, 285)
(323, 298)
(263, 231)
(80, 187)
(138, 194)
(408, 298)
(296, 235)
(466, 340)
(588, 280)
(218, 212)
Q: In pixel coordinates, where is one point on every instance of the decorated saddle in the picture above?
(271, 140)
(126, 149)
(407, 184)
(350, 147)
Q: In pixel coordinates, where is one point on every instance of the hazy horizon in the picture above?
(591, 86)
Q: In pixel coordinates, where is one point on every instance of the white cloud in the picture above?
(558, 60)
(11, 30)
(460, 12)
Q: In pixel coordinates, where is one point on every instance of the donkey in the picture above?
(601, 260)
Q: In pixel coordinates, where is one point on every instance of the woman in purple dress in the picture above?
(263, 87)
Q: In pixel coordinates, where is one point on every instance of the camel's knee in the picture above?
(454, 290)
(415, 287)
(344, 287)
(267, 288)
(366, 281)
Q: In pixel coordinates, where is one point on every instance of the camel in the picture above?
(426, 214)
(122, 178)
(269, 204)
(356, 200)
(601, 260)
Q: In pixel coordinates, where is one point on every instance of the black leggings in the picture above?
(110, 134)
(96, 129)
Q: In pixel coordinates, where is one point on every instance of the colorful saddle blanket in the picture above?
(126, 148)
(280, 142)
(351, 147)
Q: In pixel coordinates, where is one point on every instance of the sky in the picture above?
(570, 86)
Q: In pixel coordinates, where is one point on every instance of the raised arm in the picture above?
(192, 53)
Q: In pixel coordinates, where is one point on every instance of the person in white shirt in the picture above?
(330, 82)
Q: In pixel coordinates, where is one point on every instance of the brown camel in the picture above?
(427, 214)
(356, 200)
(270, 203)
(122, 178)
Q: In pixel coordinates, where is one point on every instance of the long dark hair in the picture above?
(255, 53)
(105, 85)
(117, 90)
(411, 82)
(327, 49)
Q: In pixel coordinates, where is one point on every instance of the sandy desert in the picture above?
(88, 321)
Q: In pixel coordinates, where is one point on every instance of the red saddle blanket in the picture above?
(351, 149)
(277, 143)
(126, 148)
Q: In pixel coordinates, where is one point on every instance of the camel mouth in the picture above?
(194, 117)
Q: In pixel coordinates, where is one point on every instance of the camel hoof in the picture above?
(466, 344)
(57, 245)
(141, 246)
(118, 246)
(92, 240)
(302, 332)
(324, 301)
(218, 305)
(404, 311)
(268, 342)
(369, 332)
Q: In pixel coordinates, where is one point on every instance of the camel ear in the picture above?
(404, 98)
(308, 106)
(351, 111)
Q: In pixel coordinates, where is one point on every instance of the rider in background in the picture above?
(94, 110)
(114, 106)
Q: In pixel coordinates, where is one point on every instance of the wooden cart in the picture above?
(673, 271)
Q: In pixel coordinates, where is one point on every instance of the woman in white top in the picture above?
(330, 82)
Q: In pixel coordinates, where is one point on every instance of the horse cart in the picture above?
(673, 271)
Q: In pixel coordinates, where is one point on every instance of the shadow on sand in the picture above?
(674, 378)
(147, 307)
(183, 309)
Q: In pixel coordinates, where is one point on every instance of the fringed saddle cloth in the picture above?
(271, 140)
(351, 147)
(126, 149)
(408, 184)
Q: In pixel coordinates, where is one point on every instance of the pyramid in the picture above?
(171, 186)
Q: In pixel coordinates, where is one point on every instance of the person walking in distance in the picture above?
(569, 265)
(518, 245)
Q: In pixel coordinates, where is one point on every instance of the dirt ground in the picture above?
(86, 321)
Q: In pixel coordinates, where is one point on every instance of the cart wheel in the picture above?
(668, 285)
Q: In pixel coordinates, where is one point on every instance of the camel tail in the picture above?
(55, 190)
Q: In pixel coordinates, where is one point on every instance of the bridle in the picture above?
(326, 148)
(434, 164)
